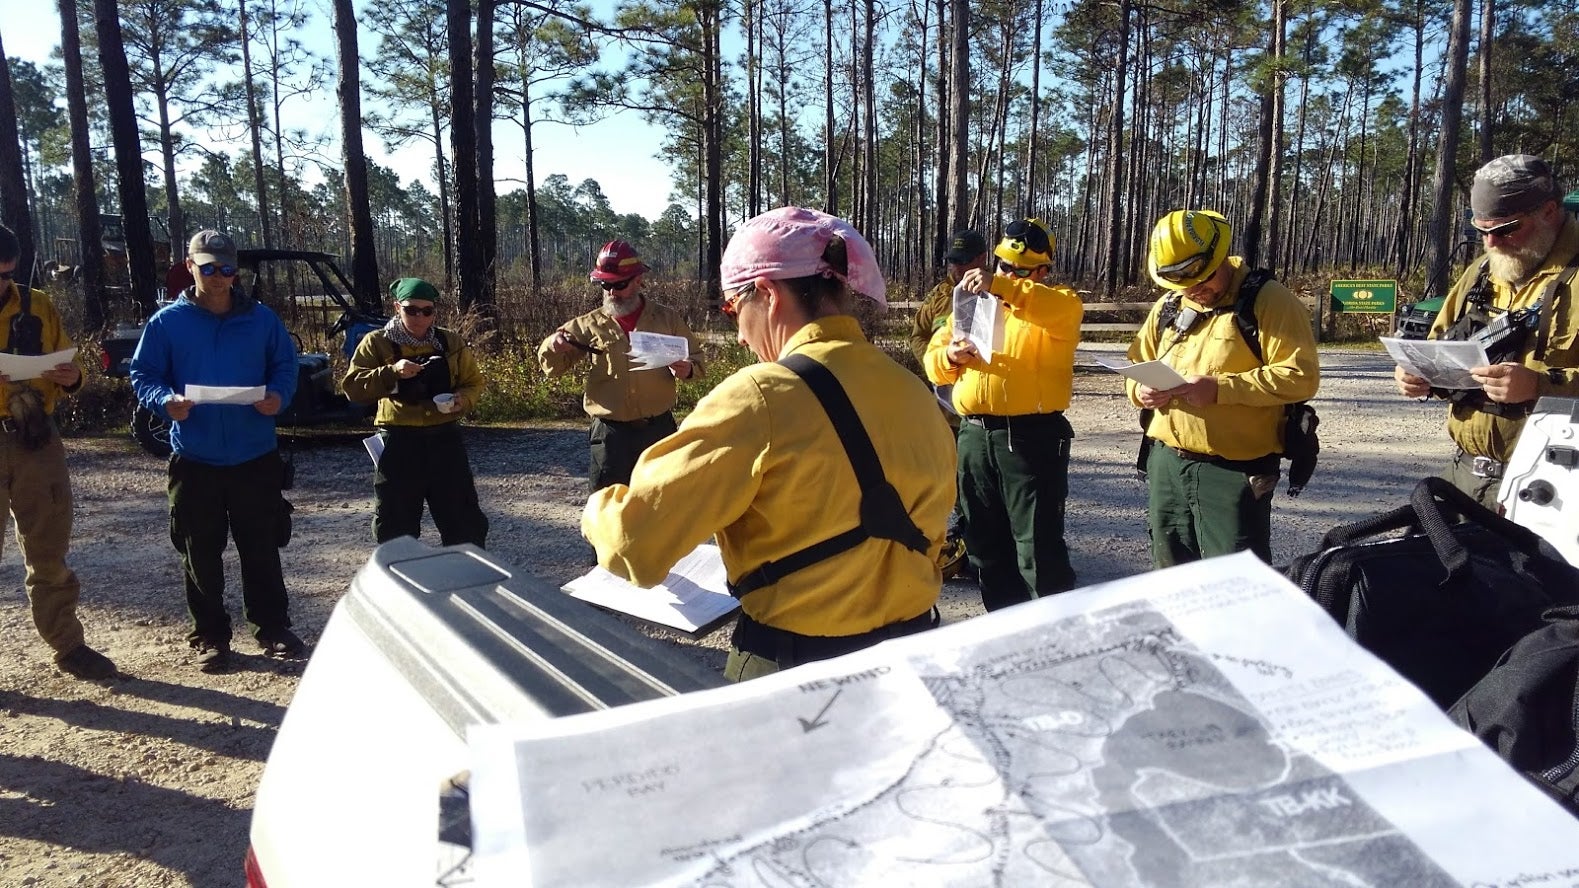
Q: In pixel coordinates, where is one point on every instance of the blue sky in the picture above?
(618, 152)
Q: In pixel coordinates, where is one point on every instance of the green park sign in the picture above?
(1366, 297)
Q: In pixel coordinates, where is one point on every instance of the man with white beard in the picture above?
(1519, 297)
(630, 407)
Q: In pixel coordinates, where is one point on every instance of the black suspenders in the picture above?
(883, 516)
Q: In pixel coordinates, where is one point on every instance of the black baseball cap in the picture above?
(966, 245)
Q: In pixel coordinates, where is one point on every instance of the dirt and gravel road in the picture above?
(148, 780)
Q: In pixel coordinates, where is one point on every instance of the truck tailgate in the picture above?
(425, 643)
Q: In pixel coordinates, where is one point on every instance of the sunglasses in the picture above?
(1503, 230)
(730, 305)
(615, 286)
(1194, 266)
(1015, 270)
(424, 310)
(7, 275)
(209, 269)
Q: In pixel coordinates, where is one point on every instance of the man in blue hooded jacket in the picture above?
(226, 473)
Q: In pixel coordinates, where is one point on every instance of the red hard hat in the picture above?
(617, 261)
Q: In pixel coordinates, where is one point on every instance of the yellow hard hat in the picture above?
(1026, 243)
(1187, 246)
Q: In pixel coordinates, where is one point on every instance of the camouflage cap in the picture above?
(1510, 185)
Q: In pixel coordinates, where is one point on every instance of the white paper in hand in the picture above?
(654, 351)
(1154, 374)
(1443, 363)
(20, 367)
(225, 394)
(979, 319)
(693, 598)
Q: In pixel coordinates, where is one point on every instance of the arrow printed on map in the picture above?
(817, 722)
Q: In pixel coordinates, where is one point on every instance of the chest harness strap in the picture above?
(883, 515)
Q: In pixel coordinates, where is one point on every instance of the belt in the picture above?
(1483, 466)
(993, 422)
(1192, 456)
(440, 428)
(788, 648)
(634, 423)
(1263, 465)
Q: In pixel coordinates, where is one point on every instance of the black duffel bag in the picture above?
(1443, 601)
(1527, 708)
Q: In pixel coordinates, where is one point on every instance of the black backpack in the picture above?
(1442, 602)
(1527, 707)
(1301, 446)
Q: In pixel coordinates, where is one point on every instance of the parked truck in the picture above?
(366, 782)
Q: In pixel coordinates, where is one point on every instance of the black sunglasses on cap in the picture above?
(615, 286)
(210, 268)
(424, 310)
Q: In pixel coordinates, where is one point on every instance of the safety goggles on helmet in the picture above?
(1025, 241)
(1194, 266)
(1034, 236)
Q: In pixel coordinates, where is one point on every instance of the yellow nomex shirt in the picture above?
(1247, 420)
(759, 463)
(1033, 371)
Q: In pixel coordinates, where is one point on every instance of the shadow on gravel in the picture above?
(229, 738)
(217, 702)
(75, 808)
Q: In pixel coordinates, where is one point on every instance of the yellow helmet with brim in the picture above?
(1187, 246)
(1026, 243)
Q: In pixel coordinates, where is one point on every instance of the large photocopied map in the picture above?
(1210, 730)
(1054, 729)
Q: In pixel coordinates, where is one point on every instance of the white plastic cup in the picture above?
(445, 402)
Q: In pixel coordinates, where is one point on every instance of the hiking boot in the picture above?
(282, 643)
(212, 656)
(86, 663)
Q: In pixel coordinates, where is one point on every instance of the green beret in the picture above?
(407, 289)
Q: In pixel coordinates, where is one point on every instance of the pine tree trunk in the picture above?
(90, 234)
(364, 252)
(255, 130)
(463, 148)
(128, 155)
(959, 116)
(14, 210)
(1438, 266)
(487, 232)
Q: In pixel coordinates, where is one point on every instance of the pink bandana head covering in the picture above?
(788, 243)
